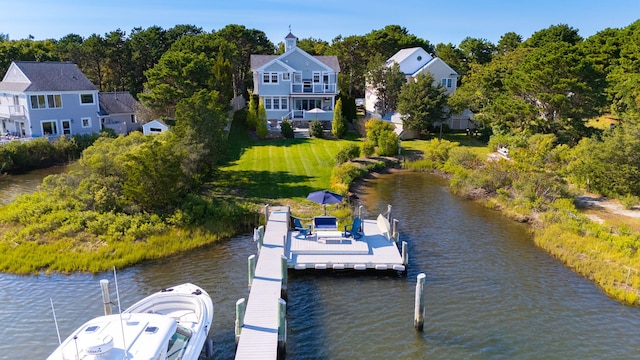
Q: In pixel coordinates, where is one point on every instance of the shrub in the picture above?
(629, 201)
(315, 129)
(368, 148)
(375, 127)
(387, 143)
(287, 129)
(349, 152)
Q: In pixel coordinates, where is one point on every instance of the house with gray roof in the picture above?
(296, 85)
(413, 62)
(47, 99)
(118, 111)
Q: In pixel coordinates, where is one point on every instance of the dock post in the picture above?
(360, 211)
(405, 254)
(258, 236)
(418, 321)
(106, 298)
(241, 306)
(395, 229)
(252, 269)
(266, 213)
(285, 279)
(389, 213)
(282, 327)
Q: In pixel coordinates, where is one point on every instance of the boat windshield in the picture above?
(178, 343)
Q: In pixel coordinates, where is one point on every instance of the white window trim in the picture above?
(270, 76)
(85, 104)
(49, 106)
(317, 74)
(270, 104)
(39, 107)
(82, 122)
(286, 76)
(57, 126)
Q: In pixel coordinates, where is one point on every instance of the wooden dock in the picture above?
(377, 249)
(259, 334)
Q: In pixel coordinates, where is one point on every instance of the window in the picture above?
(316, 77)
(275, 102)
(133, 119)
(86, 99)
(297, 77)
(286, 76)
(38, 102)
(54, 101)
(86, 122)
(446, 82)
(270, 77)
(49, 127)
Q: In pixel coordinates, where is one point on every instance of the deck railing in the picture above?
(313, 88)
(12, 111)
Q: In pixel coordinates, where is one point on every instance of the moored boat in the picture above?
(170, 324)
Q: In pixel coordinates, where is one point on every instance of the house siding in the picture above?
(71, 110)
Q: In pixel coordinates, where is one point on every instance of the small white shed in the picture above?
(154, 127)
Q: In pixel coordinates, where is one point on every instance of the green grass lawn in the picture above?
(470, 142)
(278, 169)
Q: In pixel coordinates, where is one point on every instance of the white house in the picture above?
(47, 99)
(412, 62)
(296, 85)
(154, 127)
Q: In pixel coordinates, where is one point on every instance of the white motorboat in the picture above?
(170, 324)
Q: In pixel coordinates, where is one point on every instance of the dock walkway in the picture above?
(259, 335)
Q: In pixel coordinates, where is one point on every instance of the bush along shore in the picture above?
(528, 187)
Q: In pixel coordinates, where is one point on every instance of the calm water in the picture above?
(490, 294)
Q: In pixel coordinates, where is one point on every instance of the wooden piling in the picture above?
(395, 230)
(106, 297)
(389, 213)
(251, 263)
(405, 253)
(241, 307)
(418, 318)
(282, 327)
(266, 213)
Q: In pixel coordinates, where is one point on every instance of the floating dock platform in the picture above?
(261, 319)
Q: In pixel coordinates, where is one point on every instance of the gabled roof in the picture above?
(48, 76)
(433, 63)
(411, 60)
(117, 103)
(258, 61)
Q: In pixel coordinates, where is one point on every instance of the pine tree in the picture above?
(261, 121)
(339, 126)
(252, 114)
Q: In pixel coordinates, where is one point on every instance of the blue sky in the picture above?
(436, 21)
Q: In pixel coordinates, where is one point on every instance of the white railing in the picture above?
(12, 111)
(311, 88)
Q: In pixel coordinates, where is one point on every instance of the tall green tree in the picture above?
(508, 42)
(387, 81)
(201, 121)
(453, 57)
(245, 42)
(339, 124)
(261, 126)
(178, 75)
(552, 34)
(477, 51)
(353, 58)
(422, 103)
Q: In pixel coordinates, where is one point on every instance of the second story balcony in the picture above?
(13, 112)
(308, 87)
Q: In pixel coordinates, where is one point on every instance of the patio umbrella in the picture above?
(316, 111)
(325, 197)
